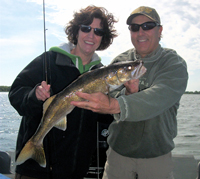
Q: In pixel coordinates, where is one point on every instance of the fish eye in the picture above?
(129, 67)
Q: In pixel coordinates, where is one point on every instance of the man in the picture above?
(141, 136)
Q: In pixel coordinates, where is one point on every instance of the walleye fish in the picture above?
(56, 108)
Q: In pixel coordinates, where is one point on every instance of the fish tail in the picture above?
(35, 152)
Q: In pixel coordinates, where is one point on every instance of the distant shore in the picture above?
(7, 88)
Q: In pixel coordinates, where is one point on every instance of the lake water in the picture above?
(187, 141)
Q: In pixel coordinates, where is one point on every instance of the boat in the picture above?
(185, 166)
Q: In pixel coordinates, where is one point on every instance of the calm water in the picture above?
(187, 142)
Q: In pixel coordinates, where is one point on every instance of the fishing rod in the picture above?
(45, 58)
(45, 65)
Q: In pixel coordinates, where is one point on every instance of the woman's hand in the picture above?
(43, 91)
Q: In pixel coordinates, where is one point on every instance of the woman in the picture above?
(67, 152)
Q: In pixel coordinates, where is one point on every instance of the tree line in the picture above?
(4, 88)
(192, 92)
(7, 88)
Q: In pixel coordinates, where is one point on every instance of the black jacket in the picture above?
(67, 152)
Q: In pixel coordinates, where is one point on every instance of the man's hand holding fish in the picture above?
(97, 102)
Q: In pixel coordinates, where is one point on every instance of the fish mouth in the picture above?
(139, 71)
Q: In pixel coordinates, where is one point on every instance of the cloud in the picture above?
(21, 35)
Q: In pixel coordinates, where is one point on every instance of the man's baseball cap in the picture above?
(146, 11)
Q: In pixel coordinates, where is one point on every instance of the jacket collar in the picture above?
(150, 57)
(65, 58)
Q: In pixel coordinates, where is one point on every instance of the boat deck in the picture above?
(185, 167)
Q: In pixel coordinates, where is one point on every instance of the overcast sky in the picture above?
(22, 39)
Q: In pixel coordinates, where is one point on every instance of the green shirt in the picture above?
(65, 50)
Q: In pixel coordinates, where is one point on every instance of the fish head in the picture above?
(124, 72)
(131, 70)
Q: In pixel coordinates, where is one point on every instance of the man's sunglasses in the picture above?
(87, 29)
(145, 26)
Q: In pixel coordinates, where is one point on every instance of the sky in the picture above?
(22, 31)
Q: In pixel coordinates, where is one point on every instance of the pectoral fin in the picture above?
(109, 93)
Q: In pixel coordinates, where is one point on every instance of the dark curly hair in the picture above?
(85, 17)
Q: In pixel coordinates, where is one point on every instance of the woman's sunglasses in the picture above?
(87, 29)
(145, 26)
